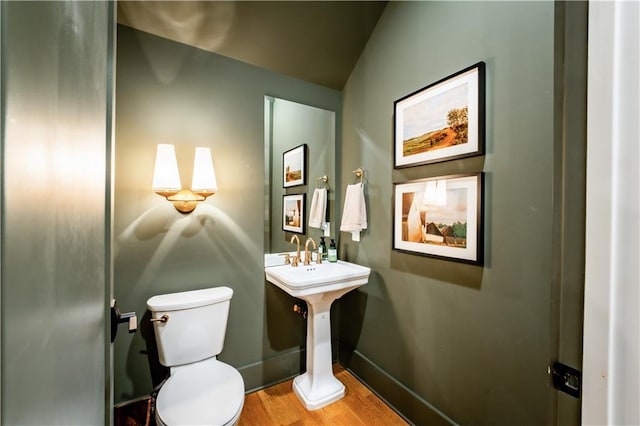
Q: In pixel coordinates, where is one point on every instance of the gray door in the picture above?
(569, 200)
(54, 239)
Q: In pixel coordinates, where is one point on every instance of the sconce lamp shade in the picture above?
(204, 176)
(430, 193)
(441, 192)
(435, 193)
(166, 178)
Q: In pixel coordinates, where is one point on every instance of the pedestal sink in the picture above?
(319, 285)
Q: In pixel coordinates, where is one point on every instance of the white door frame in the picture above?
(611, 354)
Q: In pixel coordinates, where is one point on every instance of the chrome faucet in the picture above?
(307, 255)
(296, 258)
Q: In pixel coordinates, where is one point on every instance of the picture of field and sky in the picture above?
(293, 163)
(436, 122)
(293, 166)
(436, 225)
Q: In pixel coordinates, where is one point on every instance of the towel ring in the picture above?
(359, 173)
(324, 179)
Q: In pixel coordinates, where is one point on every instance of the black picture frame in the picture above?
(294, 213)
(294, 166)
(442, 121)
(450, 228)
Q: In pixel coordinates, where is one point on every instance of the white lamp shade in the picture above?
(441, 193)
(430, 193)
(204, 176)
(435, 193)
(165, 173)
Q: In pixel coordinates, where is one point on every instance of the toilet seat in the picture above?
(208, 392)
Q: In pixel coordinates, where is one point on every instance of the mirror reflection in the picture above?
(289, 125)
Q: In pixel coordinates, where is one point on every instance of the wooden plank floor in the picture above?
(278, 405)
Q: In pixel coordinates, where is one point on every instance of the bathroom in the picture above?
(470, 344)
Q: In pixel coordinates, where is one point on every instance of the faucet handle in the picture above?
(318, 257)
(287, 258)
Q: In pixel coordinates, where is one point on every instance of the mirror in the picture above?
(288, 125)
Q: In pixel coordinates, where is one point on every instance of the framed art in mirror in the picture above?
(440, 217)
(293, 213)
(443, 121)
(294, 164)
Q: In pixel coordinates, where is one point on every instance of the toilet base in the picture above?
(233, 422)
(317, 392)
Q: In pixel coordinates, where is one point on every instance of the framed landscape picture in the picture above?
(440, 217)
(293, 166)
(293, 213)
(442, 121)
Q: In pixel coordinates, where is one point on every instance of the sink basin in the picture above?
(307, 280)
(319, 285)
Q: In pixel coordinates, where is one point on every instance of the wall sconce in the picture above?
(166, 178)
(435, 193)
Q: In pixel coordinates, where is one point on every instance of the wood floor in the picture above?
(278, 405)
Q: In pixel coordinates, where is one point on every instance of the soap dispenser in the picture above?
(322, 250)
(333, 251)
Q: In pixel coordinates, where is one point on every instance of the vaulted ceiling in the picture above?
(316, 41)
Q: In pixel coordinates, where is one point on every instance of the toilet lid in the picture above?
(204, 393)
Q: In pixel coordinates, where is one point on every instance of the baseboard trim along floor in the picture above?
(415, 409)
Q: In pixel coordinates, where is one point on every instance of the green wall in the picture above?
(471, 341)
(167, 92)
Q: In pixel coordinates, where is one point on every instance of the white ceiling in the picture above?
(316, 41)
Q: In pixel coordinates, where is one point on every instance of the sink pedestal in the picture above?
(318, 285)
(318, 387)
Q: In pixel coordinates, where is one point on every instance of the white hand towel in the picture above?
(318, 210)
(354, 215)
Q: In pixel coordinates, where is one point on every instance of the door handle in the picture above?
(119, 318)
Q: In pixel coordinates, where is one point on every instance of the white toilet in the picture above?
(190, 327)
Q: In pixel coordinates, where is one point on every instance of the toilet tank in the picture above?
(195, 327)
